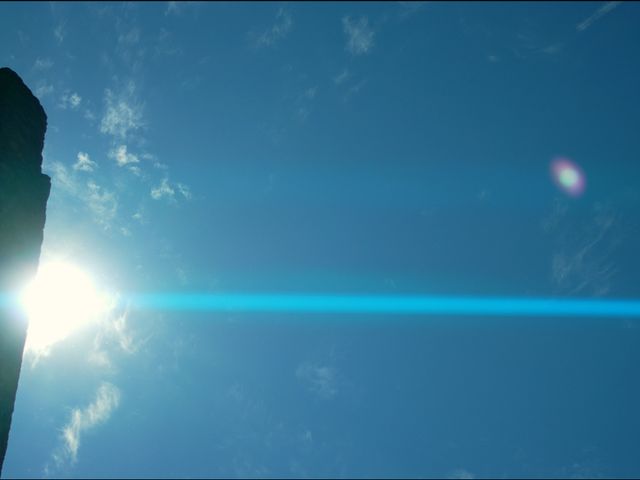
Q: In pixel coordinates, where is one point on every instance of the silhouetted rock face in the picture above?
(24, 191)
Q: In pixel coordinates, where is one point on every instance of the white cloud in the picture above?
(184, 190)
(359, 35)
(462, 474)
(552, 49)
(354, 89)
(279, 30)
(409, 8)
(172, 7)
(43, 90)
(163, 190)
(166, 190)
(130, 38)
(84, 163)
(60, 32)
(582, 262)
(106, 401)
(121, 116)
(43, 64)
(310, 93)
(102, 203)
(114, 331)
(341, 77)
(70, 100)
(176, 8)
(61, 178)
(597, 15)
(318, 379)
(123, 157)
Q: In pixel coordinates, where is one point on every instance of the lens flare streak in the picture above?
(384, 304)
(377, 304)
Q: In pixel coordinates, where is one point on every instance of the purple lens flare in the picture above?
(568, 176)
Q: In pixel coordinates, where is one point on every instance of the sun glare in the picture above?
(60, 300)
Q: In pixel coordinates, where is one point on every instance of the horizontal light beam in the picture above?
(385, 304)
(376, 304)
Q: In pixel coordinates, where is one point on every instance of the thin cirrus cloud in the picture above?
(43, 89)
(84, 163)
(114, 333)
(277, 31)
(101, 202)
(123, 157)
(107, 399)
(597, 15)
(167, 191)
(318, 379)
(359, 35)
(70, 100)
(583, 261)
(43, 64)
(461, 474)
(122, 120)
(121, 117)
(60, 32)
(341, 77)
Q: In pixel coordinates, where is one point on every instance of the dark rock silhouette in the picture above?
(24, 191)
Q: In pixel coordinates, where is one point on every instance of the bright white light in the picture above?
(59, 301)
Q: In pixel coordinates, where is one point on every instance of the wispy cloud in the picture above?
(102, 203)
(553, 49)
(409, 8)
(172, 8)
(176, 8)
(43, 89)
(107, 399)
(341, 77)
(122, 115)
(310, 93)
(597, 15)
(167, 191)
(184, 190)
(61, 178)
(582, 262)
(164, 190)
(84, 163)
(43, 64)
(277, 31)
(359, 35)
(123, 157)
(318, 379)
(130, 37)
(461, 474)
(60, 32)
(355, 89)
(70, 100)
(114, 332)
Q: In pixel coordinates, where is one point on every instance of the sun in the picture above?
(60, 300)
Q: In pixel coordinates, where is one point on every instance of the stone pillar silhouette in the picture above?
(24, 191)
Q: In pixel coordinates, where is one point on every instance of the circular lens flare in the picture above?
(568, 176)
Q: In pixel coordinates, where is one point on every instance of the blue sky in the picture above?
(340, 148)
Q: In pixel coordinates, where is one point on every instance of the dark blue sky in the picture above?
(379, 148)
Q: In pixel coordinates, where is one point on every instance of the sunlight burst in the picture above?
(60, 300)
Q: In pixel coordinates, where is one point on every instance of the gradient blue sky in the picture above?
(383, 148)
